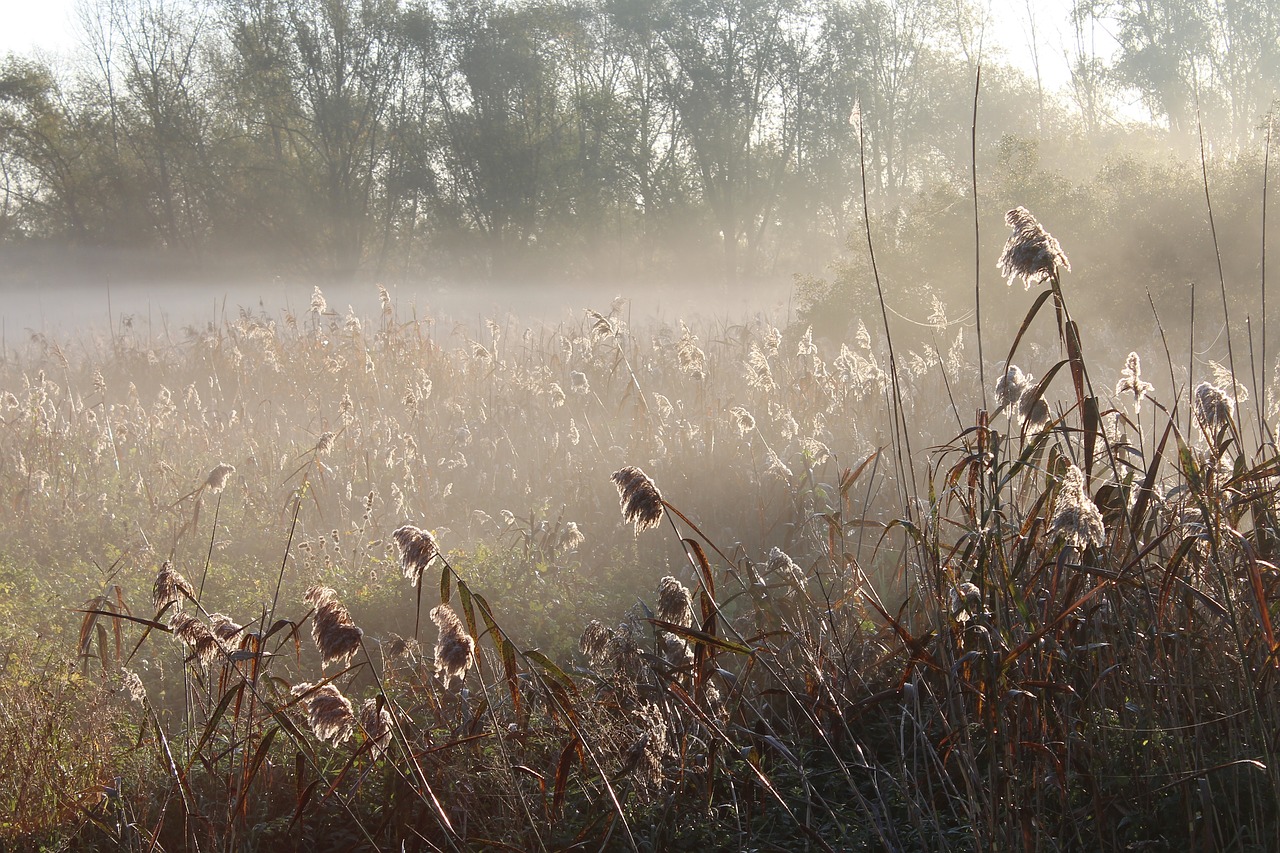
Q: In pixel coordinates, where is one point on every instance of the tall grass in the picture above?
(1053, 631)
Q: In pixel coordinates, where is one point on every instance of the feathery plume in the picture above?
(324, 446)
(1031, 253)
(335, 635)
(1075, 517)
(417, 549)
(1010, 386)
(639, 497)
(196, 636)
(594, 642)
(1131, 381)
(455, 646)
(376, 723)
(224, 629)
(743, 420)
(1213, 407)
(965, 601)
(328, 712)
(170, 588)
(675, 605)
(217, 479)
(782, 566)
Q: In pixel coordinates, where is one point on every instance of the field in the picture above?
(315, 580)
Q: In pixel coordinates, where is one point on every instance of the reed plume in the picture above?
(639, 497)
(328, 712)
(675, 605)
(1075, 517)
(1213, 407)
(1031, 253)
(196, 636)
(217, 479)
(455, 646)
(376, 723)
(335, 635)
(170, 588)
(964, 601)
(417, 549)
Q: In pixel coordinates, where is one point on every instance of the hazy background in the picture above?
(166, 159)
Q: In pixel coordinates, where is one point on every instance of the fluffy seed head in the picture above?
(217, 479)
(780, 565)
(675, 605)
(417, 549)
(1213, 407)
(324, 446)
(170, 588)
(1031, 253)
(1010, 386)
(224, 629)
(639, 497)
(965, 601)
(594, 642)
(1075, 516)
(196, 636)
(335, 635)
(455, 646)
(743, 420)
(328, 712)
(1131, 381)
(376, 723)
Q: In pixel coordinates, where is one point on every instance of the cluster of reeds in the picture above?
(1056, 634)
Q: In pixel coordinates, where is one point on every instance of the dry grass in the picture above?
(1058, 636)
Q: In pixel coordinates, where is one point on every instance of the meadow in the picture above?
(321, 581)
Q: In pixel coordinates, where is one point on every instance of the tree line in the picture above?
(560, 136)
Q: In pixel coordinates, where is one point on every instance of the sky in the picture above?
(27, 26)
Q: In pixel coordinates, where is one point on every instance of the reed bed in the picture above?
(340, 582)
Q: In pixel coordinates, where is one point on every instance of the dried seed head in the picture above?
(782, 566)
(417, 549)
(675, 605)
(335, 635)
(376, 723)
(1033, 410)
(328, 712)
(1213, 407)
(224, 629)
(1031, 253)
(578, 382)
(398, 647)
(965, 602)
(594, 642)
(571, 536)
(170, 588)
(196, 636)
(217, 479)
(639, 497)
(325, 445)
(743, 420)
(1131, 381)
(1010, 386)
(678, 652)
(133, 686)
(653, 742)
(455, 646)
(1075, 517)
(318, 305)
(693, 361)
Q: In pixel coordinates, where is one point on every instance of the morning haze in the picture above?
(641, 425)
